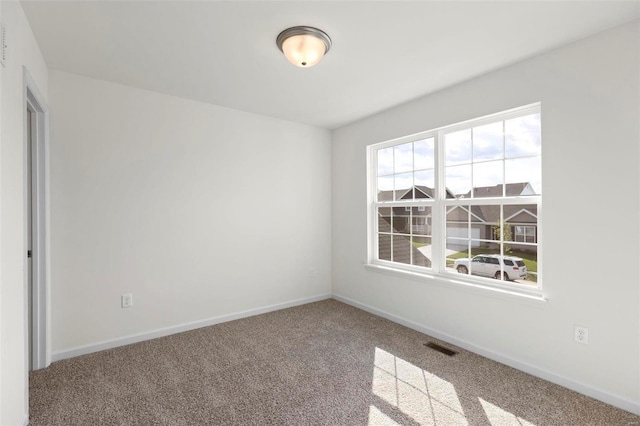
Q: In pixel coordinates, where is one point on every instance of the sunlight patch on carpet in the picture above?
(500, 417)
(378, 418)
(424, 397)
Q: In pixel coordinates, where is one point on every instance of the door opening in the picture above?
(30, 235)
(36, 224)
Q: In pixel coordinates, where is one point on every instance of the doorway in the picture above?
(29, 224)
(36, 226)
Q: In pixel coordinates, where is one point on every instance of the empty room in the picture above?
(319, 213)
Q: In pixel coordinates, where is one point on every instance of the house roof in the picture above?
(421, 192)
(524, 214)
(489, 214)
(511, 190)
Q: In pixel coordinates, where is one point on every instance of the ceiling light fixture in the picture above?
(303, 46)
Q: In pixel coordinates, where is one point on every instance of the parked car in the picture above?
(492, 265)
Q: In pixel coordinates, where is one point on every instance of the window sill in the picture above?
(444, 280)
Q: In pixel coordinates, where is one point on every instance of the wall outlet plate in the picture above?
(3, 44)
(126, 300)
(581, 334)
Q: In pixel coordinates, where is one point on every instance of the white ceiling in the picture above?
(383, 54)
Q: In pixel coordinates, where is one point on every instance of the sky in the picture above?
(506, 151)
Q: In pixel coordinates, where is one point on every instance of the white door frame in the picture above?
(40, 309)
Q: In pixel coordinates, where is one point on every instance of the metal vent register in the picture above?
(441, 349)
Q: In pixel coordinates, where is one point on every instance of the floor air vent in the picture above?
(441, 349)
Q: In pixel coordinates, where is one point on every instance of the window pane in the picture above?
(401, 248)
(522, 136)
(529, 256)
(457, 249)
(421, 220)
(457, 222)
(423, 154)
(385, 161)
(521, 222)
(488, 142)
(472, 222)
(421, 251)
(426, 180)
(490, 267)
(385, 184)
(401, 220)
(384, 246)
(486, 248)
(457, 147)
(403, 157)
(458, 180)
(487, 179)
(524, 171)
(384, 219)
(501, 230)
(403, 186)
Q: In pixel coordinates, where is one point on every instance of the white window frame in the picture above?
(439, 205)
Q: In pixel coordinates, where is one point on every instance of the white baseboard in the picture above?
(598, 394)
(135, 338)
(25, 422)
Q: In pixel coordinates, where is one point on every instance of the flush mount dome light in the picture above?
(303, 46)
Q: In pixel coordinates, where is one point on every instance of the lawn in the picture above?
(416, 244)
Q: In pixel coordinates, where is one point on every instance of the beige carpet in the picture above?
(324, 363)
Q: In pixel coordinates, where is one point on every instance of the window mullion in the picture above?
(410, 224)
(502, 231)
(439, 216)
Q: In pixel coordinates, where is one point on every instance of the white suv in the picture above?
(491, 265)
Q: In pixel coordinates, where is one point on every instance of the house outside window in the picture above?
(442, 197)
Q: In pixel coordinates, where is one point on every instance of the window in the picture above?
(461, 201)
(525, 234)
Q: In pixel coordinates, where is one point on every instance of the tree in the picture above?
(502, 232)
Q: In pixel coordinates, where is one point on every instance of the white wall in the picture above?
(590, 108)
(199, 211)
(22, 51)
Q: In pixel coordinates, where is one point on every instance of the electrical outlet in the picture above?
(312, 273)
(127, 300)
(581, 334)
